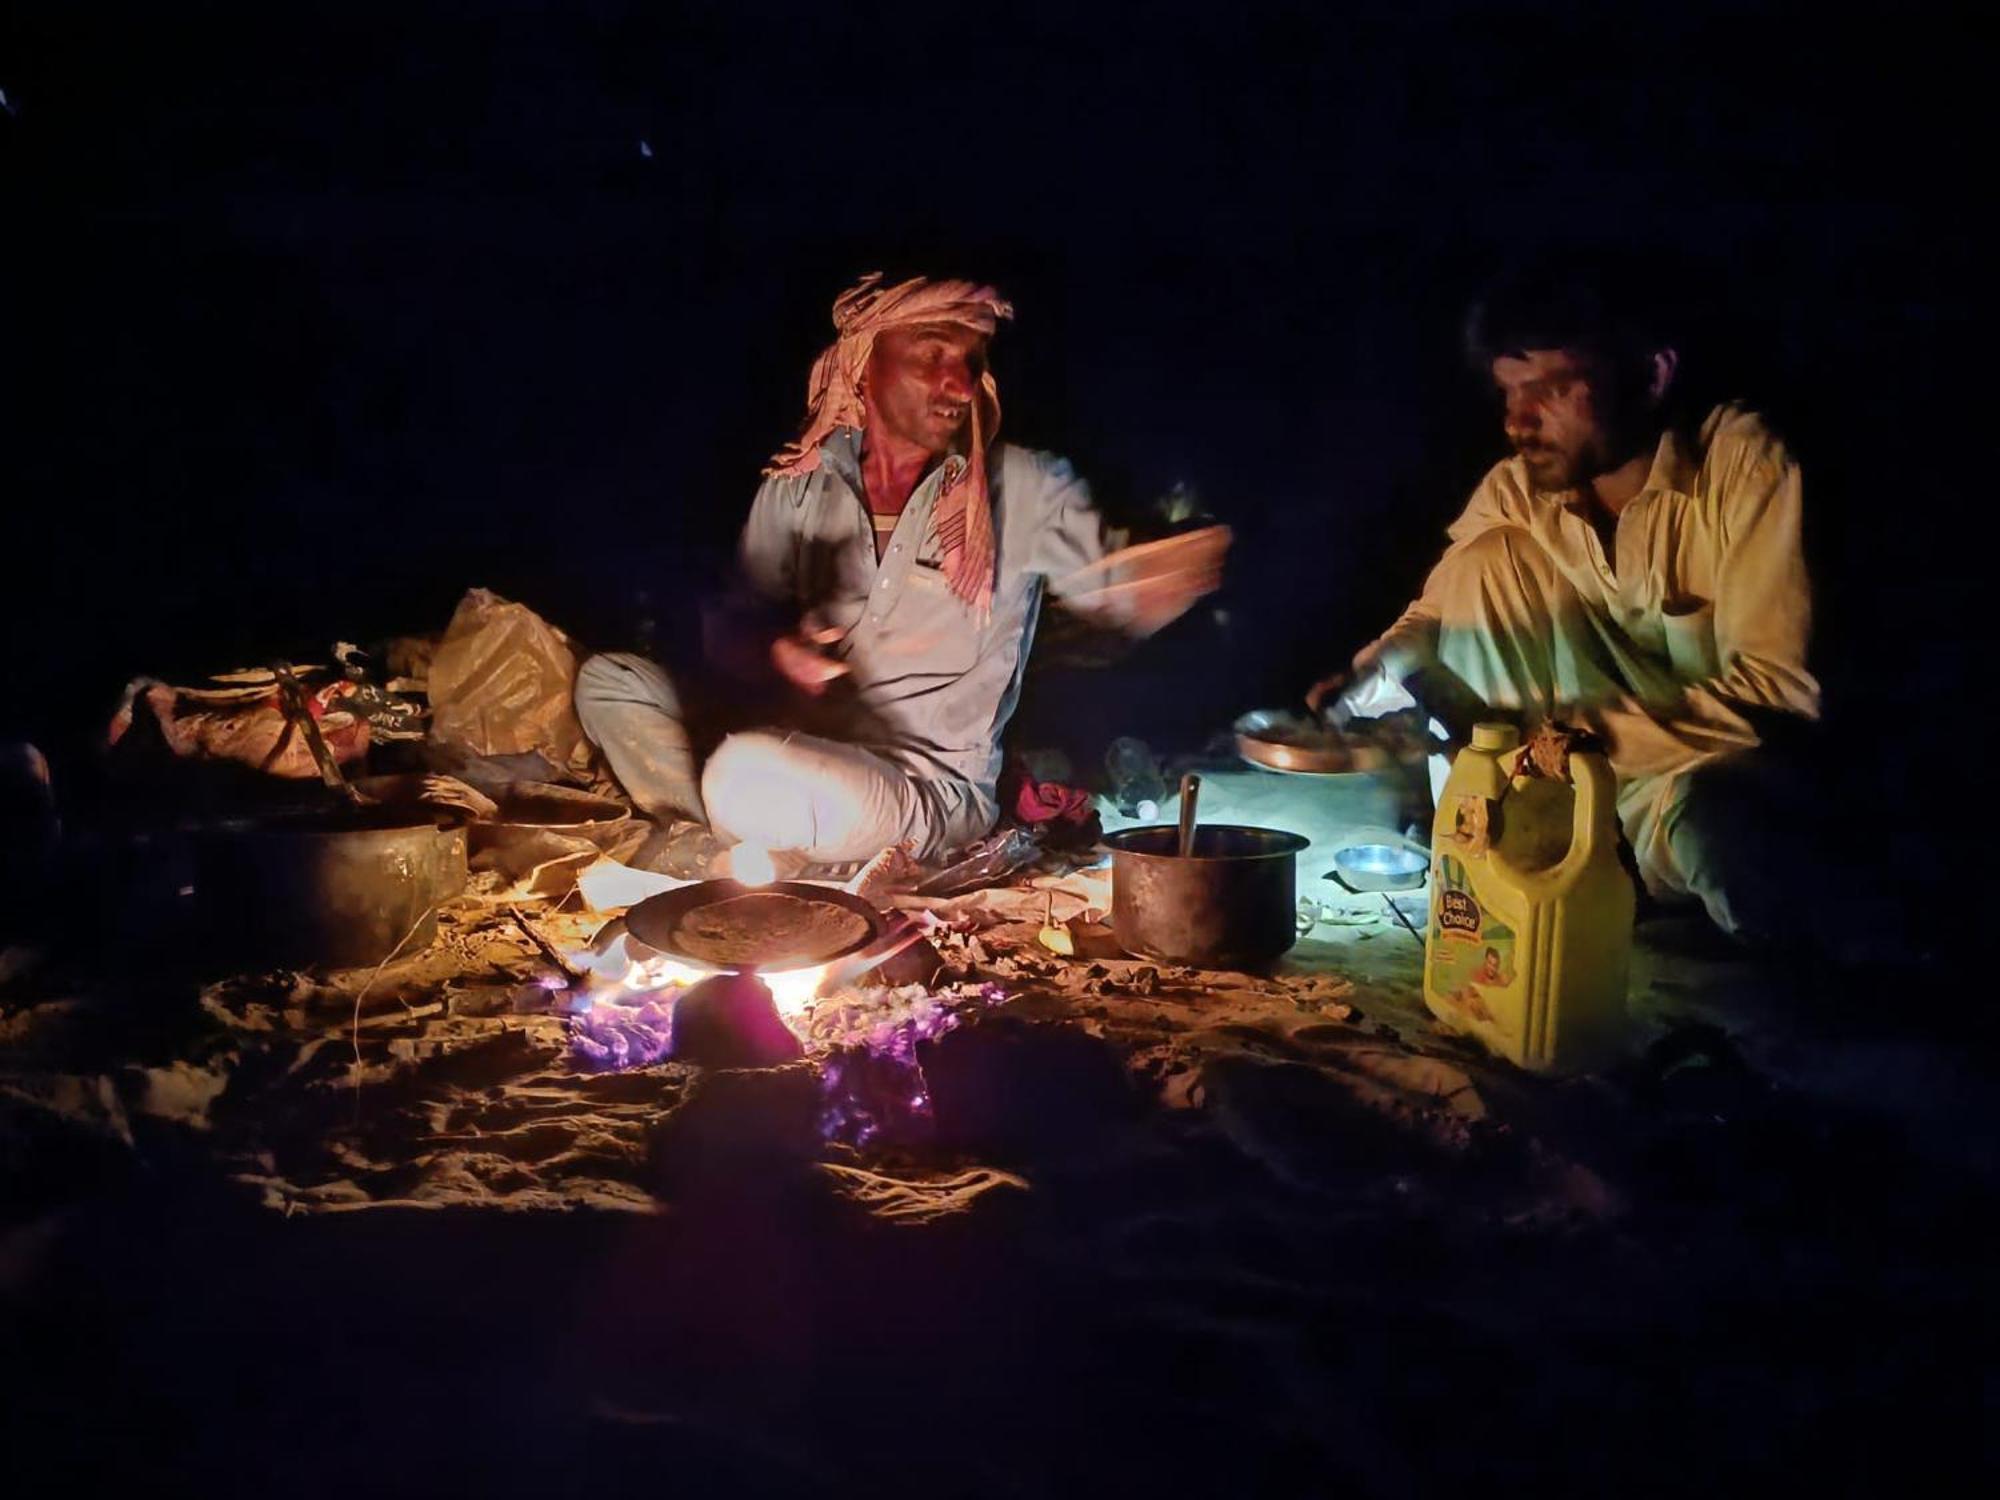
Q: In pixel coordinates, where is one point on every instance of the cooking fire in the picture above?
(639, 1007)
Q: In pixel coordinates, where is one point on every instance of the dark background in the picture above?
(313, 316)
(316, 316)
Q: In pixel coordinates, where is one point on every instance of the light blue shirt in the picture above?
(931, 687)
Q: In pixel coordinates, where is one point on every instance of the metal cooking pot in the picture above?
(343, 889)
(1229, 904)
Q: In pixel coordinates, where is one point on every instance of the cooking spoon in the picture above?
(1190, 791)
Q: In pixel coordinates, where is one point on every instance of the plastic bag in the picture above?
(500, 684)
(987, 862)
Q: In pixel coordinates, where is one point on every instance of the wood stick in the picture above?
(548, 949)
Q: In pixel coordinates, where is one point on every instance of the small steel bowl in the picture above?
(1379, 867)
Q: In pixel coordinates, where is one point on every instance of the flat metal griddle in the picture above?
(656, 920)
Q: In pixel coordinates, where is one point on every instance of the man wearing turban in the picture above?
(913, 552)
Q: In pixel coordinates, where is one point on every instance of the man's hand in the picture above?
(801, 661)
(1329, 686)
(1139, 590)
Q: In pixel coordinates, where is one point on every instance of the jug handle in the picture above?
(1596, 812)
(1596, 799)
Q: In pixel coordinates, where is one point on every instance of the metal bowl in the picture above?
(1379, 867)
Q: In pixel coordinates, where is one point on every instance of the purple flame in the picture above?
(872, 1087)
(628, 1031)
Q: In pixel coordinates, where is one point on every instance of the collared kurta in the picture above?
(1670, 644)
(932, 687)
(906, 745)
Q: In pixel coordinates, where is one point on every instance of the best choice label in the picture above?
(1458, 914)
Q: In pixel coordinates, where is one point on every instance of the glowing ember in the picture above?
(617, 974)
(629, 1033)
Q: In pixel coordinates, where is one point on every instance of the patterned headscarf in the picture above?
(963, 521)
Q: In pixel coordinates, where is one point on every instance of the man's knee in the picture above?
(607, 675)
(741, 762)
(749, 789)
(796, 792)
(621, 677)
(1733, 837)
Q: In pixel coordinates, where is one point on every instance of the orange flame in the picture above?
(618, 973)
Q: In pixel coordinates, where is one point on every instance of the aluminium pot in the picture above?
(1230, 904)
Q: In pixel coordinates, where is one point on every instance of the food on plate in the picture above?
(768, 929)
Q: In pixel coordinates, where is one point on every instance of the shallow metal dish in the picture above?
(1379, 867)
(1280, 739)
(655, 920)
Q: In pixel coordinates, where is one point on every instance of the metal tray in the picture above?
(1281, 739)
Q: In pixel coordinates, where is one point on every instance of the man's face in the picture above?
(921, 382)
(1560, 416)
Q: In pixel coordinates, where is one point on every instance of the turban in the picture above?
(963, 520)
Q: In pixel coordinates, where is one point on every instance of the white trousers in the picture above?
(781, 789)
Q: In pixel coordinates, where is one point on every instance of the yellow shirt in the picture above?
(1704, 605)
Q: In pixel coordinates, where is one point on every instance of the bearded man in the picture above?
(909, 553)
(1632, 568)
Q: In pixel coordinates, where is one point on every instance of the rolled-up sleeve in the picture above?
(1763, 619)
(1412, 640)
(1071, 536)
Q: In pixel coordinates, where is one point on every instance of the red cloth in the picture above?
(1033, 802)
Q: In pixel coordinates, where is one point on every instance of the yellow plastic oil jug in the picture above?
(1530, 934)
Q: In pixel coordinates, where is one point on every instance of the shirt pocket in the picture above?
(1690, 628)
(928, 632)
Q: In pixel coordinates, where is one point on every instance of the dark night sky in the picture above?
(317, 315)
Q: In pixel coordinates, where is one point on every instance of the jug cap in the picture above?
(1495, 737)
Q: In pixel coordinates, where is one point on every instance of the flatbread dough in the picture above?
(768, 929)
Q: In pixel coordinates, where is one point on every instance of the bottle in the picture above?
(1529, 940)
(1137, 787)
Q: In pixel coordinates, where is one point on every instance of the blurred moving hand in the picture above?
(1139, 590)
(801, 658)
